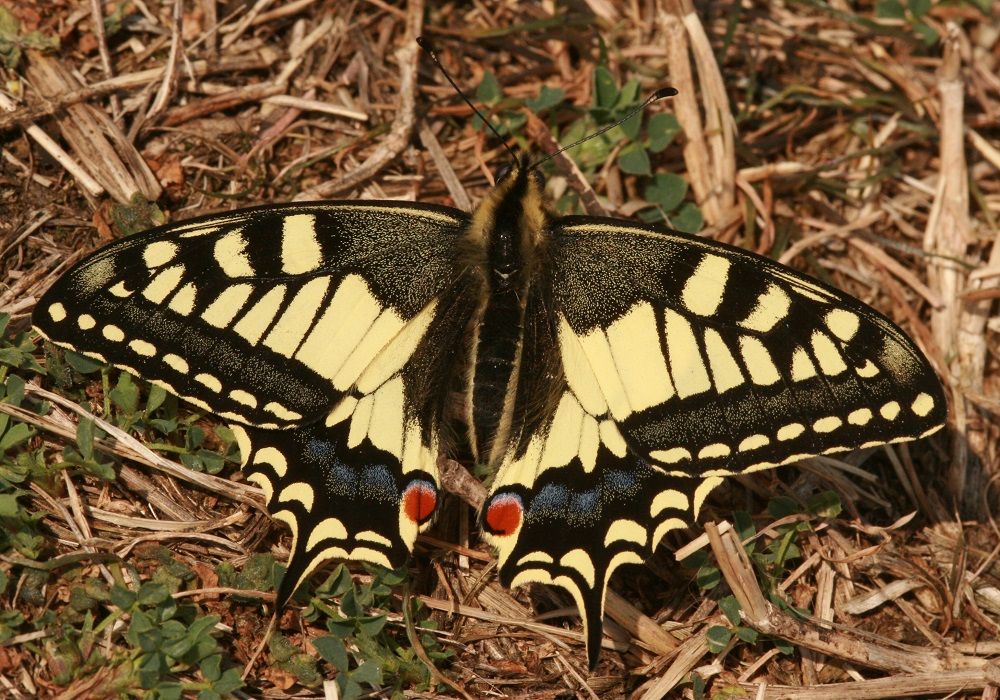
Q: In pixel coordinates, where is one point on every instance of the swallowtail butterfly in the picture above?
(615, 373)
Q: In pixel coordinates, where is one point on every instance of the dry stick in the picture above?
(89, 184)
(826, 638)
(168, 85)
(720, 127)
(54, 104)
(899, 686)
(97, 23)
(443, 165)
(398, 137)
(110, 158)
(948, 234)
(685, 105)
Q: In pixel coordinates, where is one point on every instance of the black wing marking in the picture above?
(682, 361)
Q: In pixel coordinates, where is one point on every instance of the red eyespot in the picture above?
(419, 501)
(503, 516)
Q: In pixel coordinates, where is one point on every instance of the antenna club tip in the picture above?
(664, 92)
(425, 44)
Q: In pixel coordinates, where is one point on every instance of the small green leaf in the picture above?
(153, 593)
(663, 128)
(688, 218)
(547, 98)
(489, 91)
(826, 504)
(229, 682)
(125, 395)
(83, 365)
(634, 160)
(17, 434)
(605, 88)
(889, 9)
(85, 437)
(628, 96)
(666, 190)
(157, 395)
(718, 638)
(747, 634)
(730, 608)
(369, 672)
(708, 577)
(333, 651)
(14, 390)
(782, 506)
(9, 506)
(929, 36)
(122, 597)
(919, 8)
(631, 127)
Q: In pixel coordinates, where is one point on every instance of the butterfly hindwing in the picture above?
(681, 361)
(321, 332)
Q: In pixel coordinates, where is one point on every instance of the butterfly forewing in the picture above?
(320, 331)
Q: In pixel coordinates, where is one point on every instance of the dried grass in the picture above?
(809, 132)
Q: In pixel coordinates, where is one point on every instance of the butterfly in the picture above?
(614, 372)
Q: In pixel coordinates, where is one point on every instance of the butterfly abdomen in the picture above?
(495, 354)
(507, 230)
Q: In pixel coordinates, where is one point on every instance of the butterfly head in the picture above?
(510, 224)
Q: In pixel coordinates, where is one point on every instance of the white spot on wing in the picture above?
(790, 431)
(890, 410)
(802, 367)
(57, 312)
(208, 380)
(221, 312)
(636, 349)
(86, 322)
(713, 451)
(771, 308)
(704, 288)
(231, 254)
(831, 362)
(300, 251)
(255, 321)
(297, 317)
(827, 424)
(165, 282)
(758, 361)
(183, 301)
(159, 253)
(725, 371)
(112, 332)
(176, 363)
(671, 456)
(686, 364)
(141, 347)
(859, 417)
(842, 323)
(923, 404)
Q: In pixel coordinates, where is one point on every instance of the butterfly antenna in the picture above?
(426, 46)
(656, 96)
